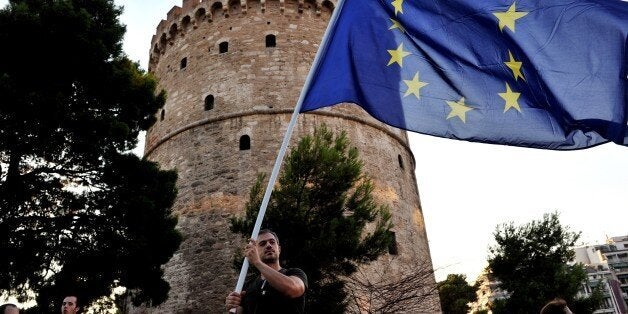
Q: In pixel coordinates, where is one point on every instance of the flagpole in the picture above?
(286, 139)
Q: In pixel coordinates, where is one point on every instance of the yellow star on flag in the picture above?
(511, 99)
(458, 109)
(508, 18)
(397, 25)
(414, 86)
(398, 5)
(515, 66)
(397, 55)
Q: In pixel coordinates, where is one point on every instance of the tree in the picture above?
(319, 209)
(455, 293)
(77, 212)
(532, 263)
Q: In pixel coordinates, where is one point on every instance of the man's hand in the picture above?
(233, 300)
(250, 252)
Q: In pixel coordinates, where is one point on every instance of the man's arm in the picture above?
(291, 286)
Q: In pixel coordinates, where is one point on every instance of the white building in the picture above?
(488, 292)
(602, 263)
(618, 260)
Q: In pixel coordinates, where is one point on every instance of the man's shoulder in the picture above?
(297, 272)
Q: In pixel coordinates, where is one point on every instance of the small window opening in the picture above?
(245, 142)
(268, 23)
(271, 41)
(400, 161)
(223, 47)
(209, 102)
(163, 114)
(184, 63)
(392, 247)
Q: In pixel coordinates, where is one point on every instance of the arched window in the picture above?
(163, 114)
(223, 47)
(245, 142)
(400, 161)
(271, 41)
(185, 23)
(209, 102)
(184, 63)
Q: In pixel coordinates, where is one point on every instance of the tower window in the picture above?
(392, 247)
(223, 47)
(271, 41)
(184, 63)
(163, 114)
(245, 142)
(400, 161)
(209, 102)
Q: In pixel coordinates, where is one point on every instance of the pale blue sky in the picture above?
(467, 189)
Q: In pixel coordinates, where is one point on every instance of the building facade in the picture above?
(602, 274)
(233, 71)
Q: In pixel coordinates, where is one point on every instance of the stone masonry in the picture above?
(227, 87)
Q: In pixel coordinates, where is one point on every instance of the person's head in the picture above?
(9, 308)
(70, 305)
(268, 246)
(556, 306)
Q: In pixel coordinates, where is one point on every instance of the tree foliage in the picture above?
(319, 209)
(455, 293)
(532, 263)
(76, 211)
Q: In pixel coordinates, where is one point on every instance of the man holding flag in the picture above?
(277, 289)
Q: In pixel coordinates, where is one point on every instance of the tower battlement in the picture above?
(181, 19)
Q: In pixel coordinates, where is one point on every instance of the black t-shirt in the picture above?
(262, 298)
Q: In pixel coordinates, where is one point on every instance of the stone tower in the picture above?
(233, 71)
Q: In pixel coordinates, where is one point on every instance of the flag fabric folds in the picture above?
(531, 73)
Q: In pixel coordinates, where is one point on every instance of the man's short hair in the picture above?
(556, 306)
(5, 306)
(263, 231)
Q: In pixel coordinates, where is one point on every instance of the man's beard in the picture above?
(269, 259)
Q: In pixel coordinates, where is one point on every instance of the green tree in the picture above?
(455, 293)
(77, 213)
(319, 209)
(532, 263)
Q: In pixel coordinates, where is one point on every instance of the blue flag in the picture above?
(532, 73)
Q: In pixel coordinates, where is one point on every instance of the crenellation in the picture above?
(174, 13)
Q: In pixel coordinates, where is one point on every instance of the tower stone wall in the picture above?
(217, 99)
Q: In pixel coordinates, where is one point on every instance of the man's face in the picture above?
(69, 306)
(11, 310)
(268, 248)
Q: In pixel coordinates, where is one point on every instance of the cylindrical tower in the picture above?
(233, 72)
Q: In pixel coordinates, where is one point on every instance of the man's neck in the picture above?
(274, 265)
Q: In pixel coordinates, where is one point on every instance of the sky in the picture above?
(467, 189)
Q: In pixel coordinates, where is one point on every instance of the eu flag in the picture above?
(544, 74)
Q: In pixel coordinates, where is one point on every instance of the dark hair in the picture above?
(556, 306)
(264, 231)
(6, 305)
